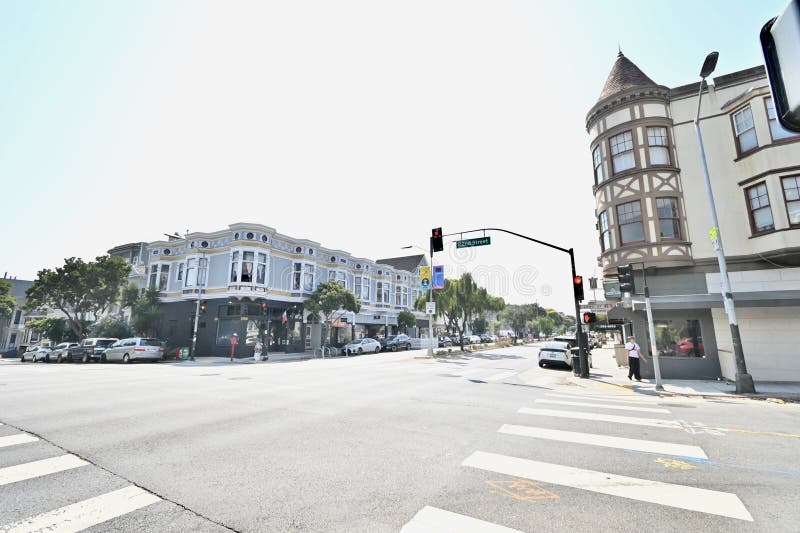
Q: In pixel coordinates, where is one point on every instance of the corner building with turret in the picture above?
(652, 213)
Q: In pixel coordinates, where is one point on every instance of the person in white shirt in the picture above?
(633, 359)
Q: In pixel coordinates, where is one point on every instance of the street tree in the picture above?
(328, 298)
(406, 319)
(546, 326)
(111, 326)
(81, 290)
(146, 313)
(53, 328)
(7, 300)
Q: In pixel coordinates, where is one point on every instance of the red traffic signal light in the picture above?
(577, 286)
(263, 305)
(437, 245)
(589, 317)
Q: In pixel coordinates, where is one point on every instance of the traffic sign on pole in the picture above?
(430, 308)
(469, 243)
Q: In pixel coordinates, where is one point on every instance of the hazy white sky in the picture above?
(360, 125)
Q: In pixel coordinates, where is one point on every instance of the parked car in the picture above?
(135, 348)
(59, 353)
(396, 342)
(486, 338)
(36, 353)
(559, 352)
(12, 353)
(91, 349)
(474, 339)
(445, 341)
(361, 346)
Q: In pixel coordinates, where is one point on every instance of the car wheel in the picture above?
(33, 358)
(103, 358)
(85, 359)
(541, 364)
(60, 359)
(377, 349)
(126, 359)
(47, 358)
(394, 347)
(360, 351)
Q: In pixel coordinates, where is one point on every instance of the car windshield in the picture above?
(393, 337)
(105, 342)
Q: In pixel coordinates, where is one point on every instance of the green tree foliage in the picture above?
(460, 302)
(79, 289)
(111, 326)
(480, 325)
(146, 313)
(546, 326)
(55, 329)
(406, 319)
(328, 298)
(7, 300)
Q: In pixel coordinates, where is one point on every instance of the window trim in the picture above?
(620, 224)
(786, 202)
(633, 149)
(677, 217)
(753, 231)
(739, 152)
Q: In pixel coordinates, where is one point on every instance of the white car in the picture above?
(474, 339)
(363, 345)
(60, 352)
(36, 353)
(558, 352)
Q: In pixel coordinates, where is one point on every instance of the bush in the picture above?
(111, 326)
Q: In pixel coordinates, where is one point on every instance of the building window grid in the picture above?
(745, 130)
(668, 218)
(622, 155)
(631, 227)
(759, 208)
(791, 196)
(777, 131)
(658, 143)
(605, 235)
(598, 165)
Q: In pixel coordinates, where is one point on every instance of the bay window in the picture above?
(658, 146)
(598, 165)
(759, 208)
(668, 219)
(605, 236)
(159, 276)
(622, 152)
(745, 130)
(791, 195)
(248, 266)
(379, 292)
(776, 130)
(629, 218)
(195, 272)
(398, 295)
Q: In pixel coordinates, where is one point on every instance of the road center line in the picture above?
(639, 445)
(21, 438)
(680, 496)
(86, 513)
(12, 474)
(578, 415)
(606, 406)
(435, 520)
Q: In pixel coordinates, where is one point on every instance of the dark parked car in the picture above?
(92, 349)
(396, 342)
(444, 341)
(486, 338)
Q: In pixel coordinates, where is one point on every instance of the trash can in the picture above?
(576, 361)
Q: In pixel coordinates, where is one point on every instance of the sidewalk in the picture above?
(211, 360)
(607, 375)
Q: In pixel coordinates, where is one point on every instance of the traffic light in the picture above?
(577, 285)
(263, 307)
(589, 317)
(436, 240)
(626, 283)
(202, 307)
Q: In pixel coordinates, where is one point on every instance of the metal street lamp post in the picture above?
(430, 297)
(744, 381)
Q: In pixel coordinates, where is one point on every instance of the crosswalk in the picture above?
(577, 408)
(76, 516)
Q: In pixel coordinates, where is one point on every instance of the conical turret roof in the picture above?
(624, 75)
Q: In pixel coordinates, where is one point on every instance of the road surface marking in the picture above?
(675, 463)
(578, 415)
(680, 496)
(434, 520)
(500, 376)
(639, 445)
(87, 513)
(12, 474)
(522, 489)
(607, 406)
(22, 438)
(606, 398)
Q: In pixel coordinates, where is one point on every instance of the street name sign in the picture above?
(469, 243)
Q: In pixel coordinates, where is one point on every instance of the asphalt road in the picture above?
(382, 443)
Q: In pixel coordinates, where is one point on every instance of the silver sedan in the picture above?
(363, 345)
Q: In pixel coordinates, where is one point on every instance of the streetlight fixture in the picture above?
(744, 381)
(430, 297)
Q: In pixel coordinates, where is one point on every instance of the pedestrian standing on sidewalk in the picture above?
(633, 358)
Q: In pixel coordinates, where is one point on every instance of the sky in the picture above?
(359, 125)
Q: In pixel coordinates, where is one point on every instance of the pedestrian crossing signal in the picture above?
(577, 285)
(202, 307)
(589, 318)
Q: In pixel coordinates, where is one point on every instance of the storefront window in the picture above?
(679, 338)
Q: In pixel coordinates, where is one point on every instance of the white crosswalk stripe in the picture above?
(605, 406)
(13, 440)
(618, 398)
(43, 467)
(86, 513)
(679, 496)
(640, 445)
(579, 415)
(435, 520)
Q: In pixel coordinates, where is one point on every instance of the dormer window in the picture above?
(622, 152)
